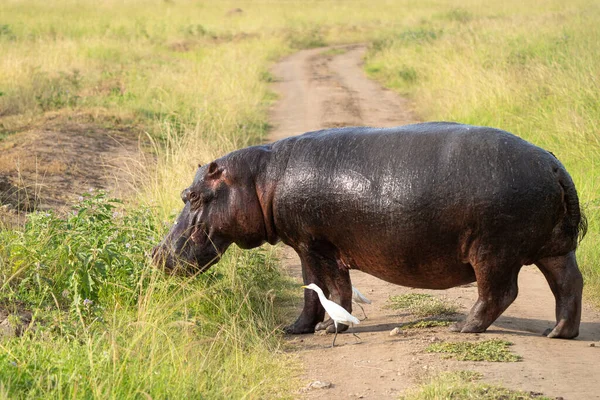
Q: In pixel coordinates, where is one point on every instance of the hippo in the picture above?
(431, 205)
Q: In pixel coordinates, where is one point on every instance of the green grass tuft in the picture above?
(426, 323)
(490, 350)
(334, 51)
(422, 305)
(464, 385)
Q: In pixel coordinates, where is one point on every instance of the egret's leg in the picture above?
(363, 310)
(335, 336)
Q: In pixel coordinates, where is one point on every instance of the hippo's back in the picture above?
(429, 166)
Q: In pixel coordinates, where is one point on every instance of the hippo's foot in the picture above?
(329, 327)
(463, 327)
(298, 329)
(559, 332)
(457, 326)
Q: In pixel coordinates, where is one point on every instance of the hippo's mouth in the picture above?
(198, 235)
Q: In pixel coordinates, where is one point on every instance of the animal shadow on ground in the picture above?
(535, 327)
(510, 326)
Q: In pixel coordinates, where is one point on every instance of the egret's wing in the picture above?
(358, 296)
(338, 313)
(353, 319)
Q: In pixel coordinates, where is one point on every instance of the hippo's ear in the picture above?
(214, 171)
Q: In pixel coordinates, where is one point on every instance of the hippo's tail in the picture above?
(575, 223)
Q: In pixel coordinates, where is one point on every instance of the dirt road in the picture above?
(322, 88)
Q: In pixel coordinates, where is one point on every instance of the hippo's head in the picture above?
(221, 208)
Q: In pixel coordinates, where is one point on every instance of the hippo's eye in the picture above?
(193, 197)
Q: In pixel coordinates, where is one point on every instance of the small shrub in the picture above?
(408, 74)
(57, 92)
(406, 38)
(88, 254)
(490, 350)
(6, 32)
(421, 35)
(194, 30)
(267, 76)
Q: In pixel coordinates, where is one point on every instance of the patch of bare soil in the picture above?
(48, 165)
(321, 88)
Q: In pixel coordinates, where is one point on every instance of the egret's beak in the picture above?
(305, 287)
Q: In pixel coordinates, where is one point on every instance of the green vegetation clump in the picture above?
(422, 305)
(107, 324)
(464, 385)
(306, 39)
(93, 252)
(426, 323)
(459, 15)
(489, 350)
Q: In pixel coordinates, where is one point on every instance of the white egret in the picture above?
(357, 298)
(335, 311)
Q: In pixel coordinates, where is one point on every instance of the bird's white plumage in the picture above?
(358, 297)
(337, 313)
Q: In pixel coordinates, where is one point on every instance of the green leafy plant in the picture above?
(489, 350)
(90, 253)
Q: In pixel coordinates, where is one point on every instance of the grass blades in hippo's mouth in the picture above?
(197, 235)
(198, 232)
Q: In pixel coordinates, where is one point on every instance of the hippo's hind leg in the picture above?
(566, 283)
(497, 289)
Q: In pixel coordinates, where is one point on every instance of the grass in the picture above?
(422, 305)
(465, 385)
(106, 324)
(494, 350)
(334, 52)
(426, 323)
(481, 65)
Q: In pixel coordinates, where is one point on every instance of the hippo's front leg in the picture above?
(313, 312)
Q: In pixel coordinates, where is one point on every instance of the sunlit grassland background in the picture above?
(194, 77)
